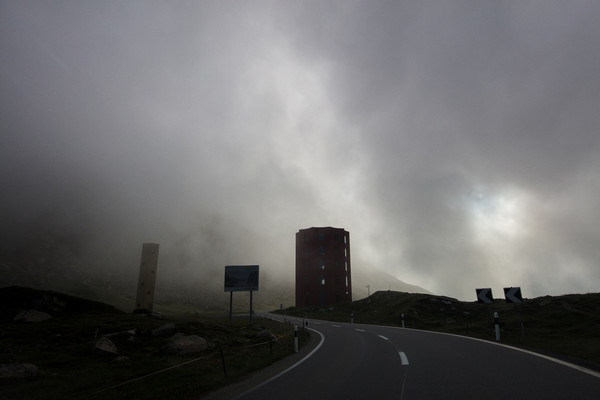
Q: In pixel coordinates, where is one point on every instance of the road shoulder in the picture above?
(258, 377)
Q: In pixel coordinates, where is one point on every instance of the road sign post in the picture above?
(230, 307)
(484, 296)
(240, 278)
(295, 338)
(513, 295)
(251, 310)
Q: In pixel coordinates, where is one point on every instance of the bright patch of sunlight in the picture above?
(498, 214)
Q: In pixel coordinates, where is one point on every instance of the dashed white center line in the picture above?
(335, 326)
(383, 337)
(359, 330)
(403, 358)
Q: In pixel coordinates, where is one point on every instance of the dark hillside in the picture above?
(566, 326)
(15, 298)
(85, 349)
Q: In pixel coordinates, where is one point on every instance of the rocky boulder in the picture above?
(130, 332)
(164, 331)
(105, 346)
(185, 345)
(266, 334)
(17, 371)
(32, 316)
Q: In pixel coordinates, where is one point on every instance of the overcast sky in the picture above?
(457, 141)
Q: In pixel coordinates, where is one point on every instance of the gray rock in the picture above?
(17, 371)
(32, 316)
(105, 346)
(185, 345)
(165, 330)
(130, 332)
(156, 315)
(266, 334)
(52, 303)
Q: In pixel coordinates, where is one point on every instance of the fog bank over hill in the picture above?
(378, 281)
(200, 292)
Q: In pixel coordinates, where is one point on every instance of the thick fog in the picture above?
(457, 141)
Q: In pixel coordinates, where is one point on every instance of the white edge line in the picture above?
(533, 353)
(403, 358)
(289, 368)
(555, 360)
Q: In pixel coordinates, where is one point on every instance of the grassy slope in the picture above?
(564, 326)
(61, 349)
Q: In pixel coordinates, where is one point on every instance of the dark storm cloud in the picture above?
(456, 141)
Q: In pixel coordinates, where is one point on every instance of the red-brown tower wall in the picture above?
(323, 269)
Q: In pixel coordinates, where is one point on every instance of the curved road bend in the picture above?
(377, 362)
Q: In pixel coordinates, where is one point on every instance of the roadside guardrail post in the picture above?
(497, 325)
(223, 362)
(295, 338)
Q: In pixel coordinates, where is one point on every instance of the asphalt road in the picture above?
(374, 362)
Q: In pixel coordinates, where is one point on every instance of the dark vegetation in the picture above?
(61, 348)
(566, 327)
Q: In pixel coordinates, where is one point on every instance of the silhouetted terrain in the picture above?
(565, 326)
(57, 346)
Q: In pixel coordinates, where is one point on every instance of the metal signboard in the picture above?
(484, 296)
(241, 278)
(513, 295)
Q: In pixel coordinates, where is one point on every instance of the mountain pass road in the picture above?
(357, 361)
